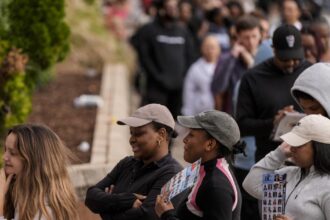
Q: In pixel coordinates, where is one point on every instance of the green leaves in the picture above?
(38, 27)
(15, 102)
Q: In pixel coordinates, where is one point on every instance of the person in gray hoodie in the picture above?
(311, 90)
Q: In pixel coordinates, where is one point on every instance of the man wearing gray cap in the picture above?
(129, 191)
(214, 137)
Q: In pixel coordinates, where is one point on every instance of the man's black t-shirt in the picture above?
(215, 196)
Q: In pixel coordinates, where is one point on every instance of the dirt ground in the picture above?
(86, 214)
(53, 106)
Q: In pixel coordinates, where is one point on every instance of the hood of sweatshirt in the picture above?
(315, 81)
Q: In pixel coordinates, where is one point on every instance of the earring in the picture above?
(158, 142)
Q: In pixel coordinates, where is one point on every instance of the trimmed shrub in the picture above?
(15, 102)
(38, 27)
(3, 18)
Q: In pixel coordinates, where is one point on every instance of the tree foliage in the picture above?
(33, 37)
(38, 28)
(15, 102)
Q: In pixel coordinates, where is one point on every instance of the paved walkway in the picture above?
(86, 214)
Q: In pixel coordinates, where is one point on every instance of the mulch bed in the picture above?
(53, 106)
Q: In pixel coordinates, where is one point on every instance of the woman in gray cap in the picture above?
(214, 136)
(129, 191)
(307, 187)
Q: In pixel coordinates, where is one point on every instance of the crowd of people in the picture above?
(227, 72)
(240, 57)
(171, 47)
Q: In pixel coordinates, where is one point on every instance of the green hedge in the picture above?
(15, 102)
(38, 27)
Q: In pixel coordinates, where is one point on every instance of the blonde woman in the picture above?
(34, 183)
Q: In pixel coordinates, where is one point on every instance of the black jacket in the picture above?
(217, 195)
(264, 90)
(130, 176)
(165, 53)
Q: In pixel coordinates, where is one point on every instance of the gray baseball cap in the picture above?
(218, 124)
(147, 114)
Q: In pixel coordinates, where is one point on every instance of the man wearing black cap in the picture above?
(264, 93)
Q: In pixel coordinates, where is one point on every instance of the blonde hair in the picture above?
(44, 181)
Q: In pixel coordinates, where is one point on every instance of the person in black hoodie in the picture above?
(165, 52)
(214, 137)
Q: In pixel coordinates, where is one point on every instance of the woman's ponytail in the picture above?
(239, 148)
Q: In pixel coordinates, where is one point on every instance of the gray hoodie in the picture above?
(307, 197)
(315, 81)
